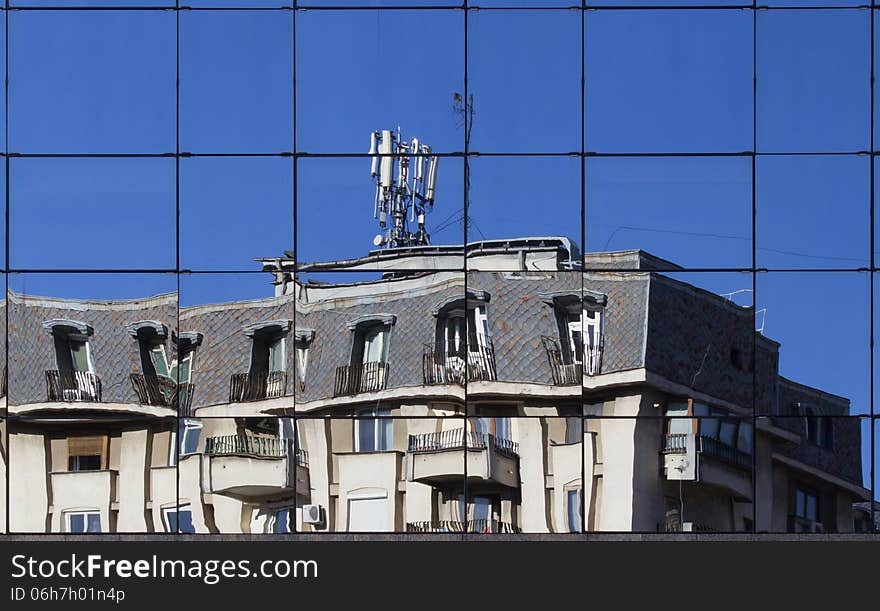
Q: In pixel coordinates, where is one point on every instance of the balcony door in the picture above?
(480, 356)
(592, 341)
(375, 355)
(74, 359)
(454, 340)
(265, 375)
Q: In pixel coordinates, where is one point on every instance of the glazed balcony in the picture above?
(438, 458)
(442, 365)
(251, 467)
(257, 386)
(360, 378)
(73, 386)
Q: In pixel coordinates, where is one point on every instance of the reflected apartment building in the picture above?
(540, 392)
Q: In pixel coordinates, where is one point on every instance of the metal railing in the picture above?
(673, 524)
(481, 361)
(360, 378)
(724, 452)
(185, 393)
(676, 443)
(256, 386)
(301, 457)
(563, 373)
(440, 365)
(457, 439)
(441, 526)
(593, 360)
(72, 386)
(153, 389)
(247, 445)
(459, 526)
(491, 526)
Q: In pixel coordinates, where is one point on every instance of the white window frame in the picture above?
(302, 360)
(178, 510)
(593, 335)
(375, 416)
(85, 513)
(189, 424)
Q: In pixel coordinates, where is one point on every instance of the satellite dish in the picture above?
(378, 240)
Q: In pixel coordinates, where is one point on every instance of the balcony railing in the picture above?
(593, 360)
(491, 526)
(563, 373)
(256, 386)
(458, 526)
(673, 524)
(185, 393)
(73, 386)
(441, 526)
(360, 378)
(440, 365)
(247, 445)
(154, 390)
(457, 439)
(676, 443)
(724, 452)
(481, 361)
(301, 457)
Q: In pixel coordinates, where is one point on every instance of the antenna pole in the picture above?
(405, 173)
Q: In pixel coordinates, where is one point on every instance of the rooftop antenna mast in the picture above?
(405, 173)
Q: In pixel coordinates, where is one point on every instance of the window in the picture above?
(73, 380)
(593, 339)
(277, 522)
(178, 520)
(302, 340)
(819, 430)
(266, 376)
(806, 505)
(374, 431)
(87, 453)
(80, 522)
(499, 427)
(573, 509)
(188, 432)
(368, 369)
(574, 430)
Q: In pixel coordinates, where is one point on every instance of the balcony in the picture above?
(563, 373)
(438, 459)
(185, 394)
(248, 467)
(481, 361)
(442, 366)
(154, 390)
(257, 386)
(458, 526)
(691, 457)
(73, 386)
(360, 378)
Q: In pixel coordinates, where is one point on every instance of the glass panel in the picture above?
(514, 57)
(812, 346)
(96, 213)
(813, 212)
(338, 190)
(573, 508)
(236, 81)
(353, 78)
(92, 82)
(77, 523)
(521, 197)
(662, 205)
(159, 360)
(366, 430)
(243, 203)
(805, 101)
(688, 85)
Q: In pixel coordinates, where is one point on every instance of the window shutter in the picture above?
(95, 445)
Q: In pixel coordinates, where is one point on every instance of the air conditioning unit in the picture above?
(312, 514)
(687, 527)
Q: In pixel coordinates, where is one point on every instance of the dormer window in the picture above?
(578, 347)
(463, 345)
(819, 430)
(154, 386)
(368, 368)
(303, 338)
(75, 378)
(267, 373)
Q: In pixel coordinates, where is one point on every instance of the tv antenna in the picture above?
(405, 173)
